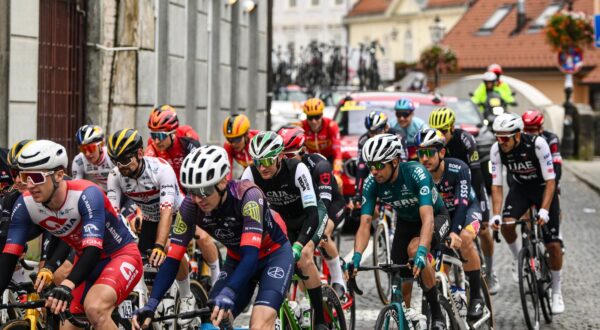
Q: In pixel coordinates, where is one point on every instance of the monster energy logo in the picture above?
(252, 210)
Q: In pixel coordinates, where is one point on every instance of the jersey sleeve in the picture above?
(336, 145)
(461, 199)
(496, 165)
(113, 189)
(304, 183)
(19, 228)
(253, 213)
(553, 143)
(369, 196)
(479, 95)
(324, 187)
(77, 169)
(169, 190)
(150, 150)
(542, 151)
(93, 217)
(183, 229)
(229, 151)
(423, 184)
(362, 172)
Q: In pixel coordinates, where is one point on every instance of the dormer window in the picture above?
(495, 19)
(541, 20)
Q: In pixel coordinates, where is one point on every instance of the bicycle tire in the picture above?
(286, 322)
(201, 297)
(380, 255)
(350, 312)
(387, 318)
(528, 288)
(333, 309)
(544, 284)
(17, 325)
(452, 318)
(487, 299)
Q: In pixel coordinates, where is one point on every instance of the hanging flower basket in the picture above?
(569, 29)
(438, 56)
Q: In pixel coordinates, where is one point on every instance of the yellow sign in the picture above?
(252, 210)
(352, 106)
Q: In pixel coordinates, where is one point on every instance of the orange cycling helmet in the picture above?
(235, 126)
(314, 107)
(163, 119)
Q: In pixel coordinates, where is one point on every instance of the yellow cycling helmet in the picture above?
(314, 107)
(442, 118)
(235, 126)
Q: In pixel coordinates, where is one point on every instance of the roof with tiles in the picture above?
(369, 7)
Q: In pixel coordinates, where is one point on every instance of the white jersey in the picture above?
(155, 189)
(81, 168)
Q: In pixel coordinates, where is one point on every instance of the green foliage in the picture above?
(569, 29)
(438, 56)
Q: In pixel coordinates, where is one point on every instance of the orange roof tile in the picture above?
(369, 7)
(523, 50)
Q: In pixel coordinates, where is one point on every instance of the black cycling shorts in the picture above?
(316, 238)
(520, 198)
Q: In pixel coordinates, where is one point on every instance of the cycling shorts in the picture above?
(520, 198)
(341, 213)
(120, 271)
(406, 231)
(273, 277)
(316, 238)
(473, 219)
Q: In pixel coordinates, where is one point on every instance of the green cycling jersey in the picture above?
(412, 189)
(502, 88)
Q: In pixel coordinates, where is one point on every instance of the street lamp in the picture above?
(249, 6)
(437, 30)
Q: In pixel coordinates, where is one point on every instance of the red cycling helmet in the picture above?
(533, 118)
(163, 119)
(495, 68)
(293, 138)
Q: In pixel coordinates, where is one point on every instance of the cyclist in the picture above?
(5, 178)
(323, 135)
(288, 186)
(501, 87)
(151, 183)
(172, 142)
(79, 213)
(92, 163)
(529, 163)
(236, 129)
(460, 144)
(408, 125)
(330, 200)
(422, 223)
(452, 178)
(234, 212)
(533, 121)
(491, 83)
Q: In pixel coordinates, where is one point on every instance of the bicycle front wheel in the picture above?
(201, 297)
(388, 319)
(334, 313)
(381, 248)
(528, 289)
(544, 284)
(17, 325)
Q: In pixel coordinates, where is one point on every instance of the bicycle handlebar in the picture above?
(187, 315)
(388, 268)
(66, 315)
(25, 265)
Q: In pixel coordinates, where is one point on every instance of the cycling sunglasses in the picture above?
(201, 192)
(89, 148)
(235, 140)
(377, 165)
(292, 154)
(124, 161)
(403, 114)
(504, 138)
(160, 135)
(317, 117)
(429, 152)
(531, 130)
(35, 177)
(266, 162)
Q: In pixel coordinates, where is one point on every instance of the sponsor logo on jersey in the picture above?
(127, 270)
(418, 174)
(180, 226)
(474, 156)
(325, 178)
(454, 167)
(424, 191)
(276, 272)
(90, 228)
(252, 210)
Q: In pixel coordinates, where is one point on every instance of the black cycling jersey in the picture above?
(554, 144)
(463, 146)
(325, 184)
(529, 163)
(456, 191)
(290, 193)
(5, 177)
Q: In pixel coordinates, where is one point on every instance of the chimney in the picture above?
(521, 18)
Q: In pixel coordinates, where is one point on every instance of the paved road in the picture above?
(581, 229)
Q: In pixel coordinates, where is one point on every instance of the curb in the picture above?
(593, 185)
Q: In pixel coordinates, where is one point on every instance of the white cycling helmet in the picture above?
(204, 167)
(508, 123)
(265, 145)
(43, 155)
(382, 148)
(489, 76)
(430, 137)
(87, 134)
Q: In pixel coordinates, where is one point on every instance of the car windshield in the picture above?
(295, 96)
(466, 113)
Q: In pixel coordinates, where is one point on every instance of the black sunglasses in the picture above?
(403, 114)
(317, 117)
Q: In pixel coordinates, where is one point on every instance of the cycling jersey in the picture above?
(528, 163)
(155, 189)
(409, 133)
(85, 219)
(290, 192)
(480, 94)
(458, 194)
(412, 189)
(83, 169)
(175, 154)
(553, 143)
(326, 187)
(326, 142)
(241, 157)
(5, 177)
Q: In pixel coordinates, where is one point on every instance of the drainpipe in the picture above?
(521, 17)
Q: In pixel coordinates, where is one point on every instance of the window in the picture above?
(292, 3)
(540, 22)
(408, 47)
(495, 19)
(314, 3)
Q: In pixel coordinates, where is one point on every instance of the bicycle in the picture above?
(383, 236)
(292, 318)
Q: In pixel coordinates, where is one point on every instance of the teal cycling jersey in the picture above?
(412, 189)
(411, 131)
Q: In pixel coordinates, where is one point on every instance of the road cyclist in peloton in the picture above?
(529, 162)
(237, 132)
(408, 125)
(422, 224)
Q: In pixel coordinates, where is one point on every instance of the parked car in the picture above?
(286, 106)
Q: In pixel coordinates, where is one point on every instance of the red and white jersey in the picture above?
(156, 188)
(82, 169)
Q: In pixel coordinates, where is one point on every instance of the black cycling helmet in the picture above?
(124, 143)
(14, 152)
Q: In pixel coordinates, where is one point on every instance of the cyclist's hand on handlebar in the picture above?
(43, 279)
(543, 217)
(59, 298)
(142, 317)
(496, 222)
(158, 255)
(135, 221)
(455, 241)
(224, 303)
(420, 260)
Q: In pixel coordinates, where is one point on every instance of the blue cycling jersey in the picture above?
(411, 131)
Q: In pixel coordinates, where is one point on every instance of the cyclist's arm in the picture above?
(336, 145)
(542, 151)
(188, 212)
(421, 179)
(309, 202)
(58, 255)
(554, 145)
(426, 234)
(93, 219)
(462, 191)
(113, 189)
(169, 198)
(474, 164)
(77, 169)
(479, 95)
(229, 150)
(20, 226)
(505, 93)
(362, 172)
(369, 197)
(496, 179)
(324, 187)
